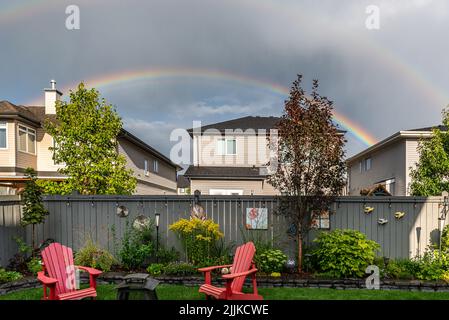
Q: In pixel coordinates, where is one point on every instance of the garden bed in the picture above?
(262, 281)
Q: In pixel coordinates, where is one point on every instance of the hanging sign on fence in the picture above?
(256, 218)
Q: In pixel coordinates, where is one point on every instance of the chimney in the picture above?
(51, 96)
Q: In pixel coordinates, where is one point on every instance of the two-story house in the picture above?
(387, 163)
(230, 157)
(24, 143)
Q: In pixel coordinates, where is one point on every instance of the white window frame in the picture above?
(224, 152)
(27, 131)
(4, 125)
(370, 161)
(155, 166)
(146, 169)
(225, 192)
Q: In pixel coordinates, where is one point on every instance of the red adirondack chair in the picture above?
(59, 275)
(242, 267)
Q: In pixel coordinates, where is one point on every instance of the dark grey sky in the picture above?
(384, 80)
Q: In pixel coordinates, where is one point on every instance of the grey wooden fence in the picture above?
(73, 219)
(9, 227)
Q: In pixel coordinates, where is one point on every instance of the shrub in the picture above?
(432, 265)
(136, 247)
(180, 269)
(344, 253)
(221, 252)
(399, 269)
(197, 237)
(155, 269)
(165, 256)
(8, 276)
(90, 255)
(271, 261)
(34, 266)
(19, 261)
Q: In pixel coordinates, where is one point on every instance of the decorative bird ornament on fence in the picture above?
(399, 214)
(367, 209)
(382, 221)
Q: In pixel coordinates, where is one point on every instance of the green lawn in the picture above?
(172, 292)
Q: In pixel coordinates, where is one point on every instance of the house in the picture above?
(24, 143)
(231, 157)
(183, 185)
(387, 163)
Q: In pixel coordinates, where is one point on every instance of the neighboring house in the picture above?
(24, 143)
(183, 185)
(387, 163)
(230, 158)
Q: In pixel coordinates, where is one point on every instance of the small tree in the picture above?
(430, 177)
(34, 211)
(85, 134)
(311, 169)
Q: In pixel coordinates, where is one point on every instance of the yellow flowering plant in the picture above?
(197, 237)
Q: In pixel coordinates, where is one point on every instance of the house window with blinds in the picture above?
(3, 135)
(226, 146)
(27, 140)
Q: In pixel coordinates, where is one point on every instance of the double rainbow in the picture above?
(155, 74)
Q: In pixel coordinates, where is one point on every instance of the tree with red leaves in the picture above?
(310, 155)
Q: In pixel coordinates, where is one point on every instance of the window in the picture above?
(155, 166)
(27, 140)
(321, 220)
(226, 147)
(146, 170)
(3, 135)
(367, 164)
(360, 167)
(390, 185)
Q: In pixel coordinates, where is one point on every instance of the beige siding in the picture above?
(387, 163)
(45, 156)
(411, 158)
(258, 187)
(144, 189)
(250, 150)
(7, 156)
(135, 160)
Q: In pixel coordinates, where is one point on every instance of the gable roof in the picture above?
(183, 182)
(250, 122)
(245, 123)
(36, 116)
(419, 133)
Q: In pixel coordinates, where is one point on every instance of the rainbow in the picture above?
(155, 74)
(408, 73)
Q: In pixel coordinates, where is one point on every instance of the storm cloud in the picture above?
(385, 80)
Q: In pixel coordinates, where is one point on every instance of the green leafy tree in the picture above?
(34, 211)
(430, 177)
(85, 134)
(311, 167)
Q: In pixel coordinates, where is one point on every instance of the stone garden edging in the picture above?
(262, 282)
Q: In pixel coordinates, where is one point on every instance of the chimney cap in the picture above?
(53, 87)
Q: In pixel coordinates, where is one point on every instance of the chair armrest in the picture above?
(240, 274)
(46, 280)
(214, 267)
(91, 271)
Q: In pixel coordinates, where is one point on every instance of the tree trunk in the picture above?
(299, 239)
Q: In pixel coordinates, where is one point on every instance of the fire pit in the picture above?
(137, 286)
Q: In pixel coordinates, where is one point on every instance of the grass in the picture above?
(174, 292)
